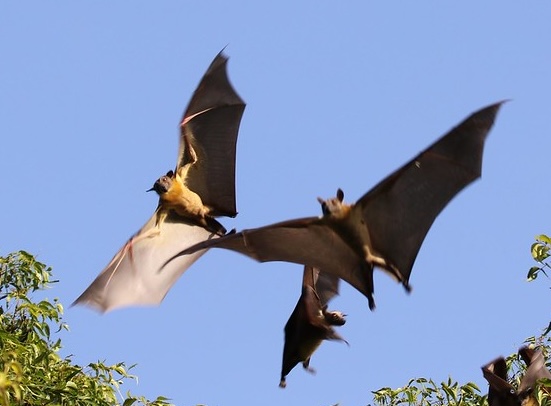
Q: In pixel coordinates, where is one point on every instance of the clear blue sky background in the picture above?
(339, 95)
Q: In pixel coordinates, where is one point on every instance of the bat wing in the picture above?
(400, 210)
(535, 362)
(210, 126)
(308, 326)
(136, 275)
(307, 313)
(326, 285)
(500, 392)
(306, 241)
(301, 332)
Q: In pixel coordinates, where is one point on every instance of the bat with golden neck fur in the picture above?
(200, 188)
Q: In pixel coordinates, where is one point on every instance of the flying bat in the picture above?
(311, 322)
(201, 187)
(503, 393)
(386, 226)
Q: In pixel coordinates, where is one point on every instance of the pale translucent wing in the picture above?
(137, 275)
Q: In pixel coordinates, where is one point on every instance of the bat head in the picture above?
(162, 185)
(333, 206)
(334, 318)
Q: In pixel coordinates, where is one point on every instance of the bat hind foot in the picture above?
(306, 366)
(214, 226)
(283, 383)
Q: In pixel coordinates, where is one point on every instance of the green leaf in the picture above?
(533, 273)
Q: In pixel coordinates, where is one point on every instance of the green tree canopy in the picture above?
(33, 373)
(31, 370)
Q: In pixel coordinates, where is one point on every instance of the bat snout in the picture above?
(335, 318)
(161, 185)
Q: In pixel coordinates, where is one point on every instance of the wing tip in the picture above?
(488, 113)
(92, 304)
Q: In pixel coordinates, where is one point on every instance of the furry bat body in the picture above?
(200, 188)
(311, 322)
(386, 226)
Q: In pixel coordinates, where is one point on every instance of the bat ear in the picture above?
(340, 194)
(324, 209)
(170, 173)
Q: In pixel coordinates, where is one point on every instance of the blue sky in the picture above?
(338, 95)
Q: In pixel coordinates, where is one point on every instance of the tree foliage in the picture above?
(31, 370)
(33, 373)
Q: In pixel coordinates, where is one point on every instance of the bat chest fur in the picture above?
(183, 201)
(349, 224)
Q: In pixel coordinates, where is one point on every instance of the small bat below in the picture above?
(503, 393)
(200, 188)
(311, 322)
(386, 226)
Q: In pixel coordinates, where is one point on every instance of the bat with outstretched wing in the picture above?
(386, 226)
(311, 322)
(200, 188)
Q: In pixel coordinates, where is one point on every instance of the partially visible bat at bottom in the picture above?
(502, 393)
(200, 188)
(311, 322)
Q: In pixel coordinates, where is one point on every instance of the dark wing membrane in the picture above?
(307, 312)
(400, 210)
(210, 125)
(300, 331)
(306, 241)
(500, 392)
(326, 285)
(137, 275)
(309, 276)
(535, 362)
